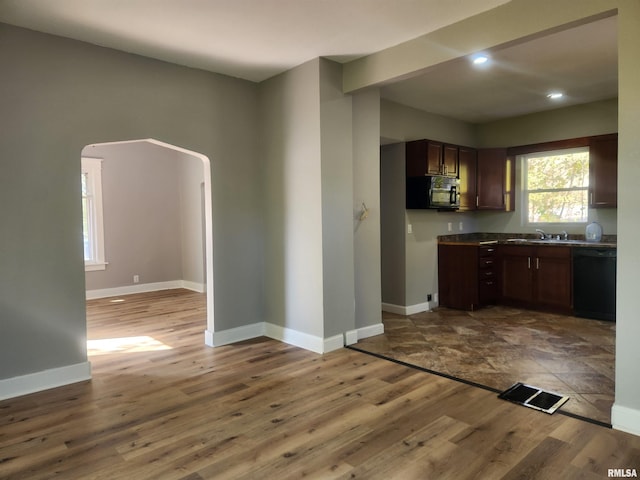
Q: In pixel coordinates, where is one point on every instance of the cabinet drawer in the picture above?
(488, 290)
(487, 251)
(487, 262)
(485, 275)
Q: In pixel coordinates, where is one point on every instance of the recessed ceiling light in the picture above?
(555, 95)
(480, 59)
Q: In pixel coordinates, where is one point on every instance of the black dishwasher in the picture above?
(594, 282)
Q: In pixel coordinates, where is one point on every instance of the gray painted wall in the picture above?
(322, 265)
(392, 224)
(59, 95)
(366, 188)
(192, 219)
(400, 123)
(595, 118)
(291, 149)
(337, 201)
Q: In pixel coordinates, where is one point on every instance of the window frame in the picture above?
(92, 168)
(558, 150)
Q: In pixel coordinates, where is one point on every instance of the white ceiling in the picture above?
(256, 39)
(250, 39)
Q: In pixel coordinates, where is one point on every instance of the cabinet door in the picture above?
(467, 175)
(553, 277)
(458, 276)
(423, 157)
(491, 178)
(517, 274)
(434, 158)
(603, 171)
(416, 158)
(450, 160)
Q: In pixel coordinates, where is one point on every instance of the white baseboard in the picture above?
(409, 309)
(304, 340)
(282, 334)
(194, 286)
(625, 419)
(333, 343)
(370, 331)
(350, 337)
(144, 288)
(52, 378)
(233, 335)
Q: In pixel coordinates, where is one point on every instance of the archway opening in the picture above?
(190, 204)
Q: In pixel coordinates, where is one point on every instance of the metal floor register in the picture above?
(534, 397)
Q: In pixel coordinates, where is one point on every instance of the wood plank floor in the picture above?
(164, 406)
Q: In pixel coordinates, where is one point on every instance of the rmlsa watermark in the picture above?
(622, 473)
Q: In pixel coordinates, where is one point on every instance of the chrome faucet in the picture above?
(565, 235)
(542, 234)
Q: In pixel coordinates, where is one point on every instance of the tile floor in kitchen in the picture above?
(498, 346)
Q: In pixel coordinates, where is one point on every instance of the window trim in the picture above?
(538, 152)
(92, 167)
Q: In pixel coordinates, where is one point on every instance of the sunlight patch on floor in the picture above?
(125, 345)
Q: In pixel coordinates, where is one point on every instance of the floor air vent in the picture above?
(534, 397)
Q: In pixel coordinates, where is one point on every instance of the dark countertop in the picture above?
(608, 241)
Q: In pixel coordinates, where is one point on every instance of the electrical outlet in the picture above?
(136, 278)
(429, 297)
(449, 226)
(409, 228)
(460, 226)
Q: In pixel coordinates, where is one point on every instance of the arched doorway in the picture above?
(204, 193)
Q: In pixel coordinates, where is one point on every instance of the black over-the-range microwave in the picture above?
(433, 191)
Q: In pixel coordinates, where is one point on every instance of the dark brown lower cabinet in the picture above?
(536, 277)
(467, 275)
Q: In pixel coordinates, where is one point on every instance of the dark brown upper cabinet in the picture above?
(495, 180)
(603, 171)
(428, 157)
(450, 160)
(467, 164)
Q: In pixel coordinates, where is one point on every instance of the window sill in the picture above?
(95, 266)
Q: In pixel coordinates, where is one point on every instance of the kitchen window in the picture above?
(92, 223)
(556, 186)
